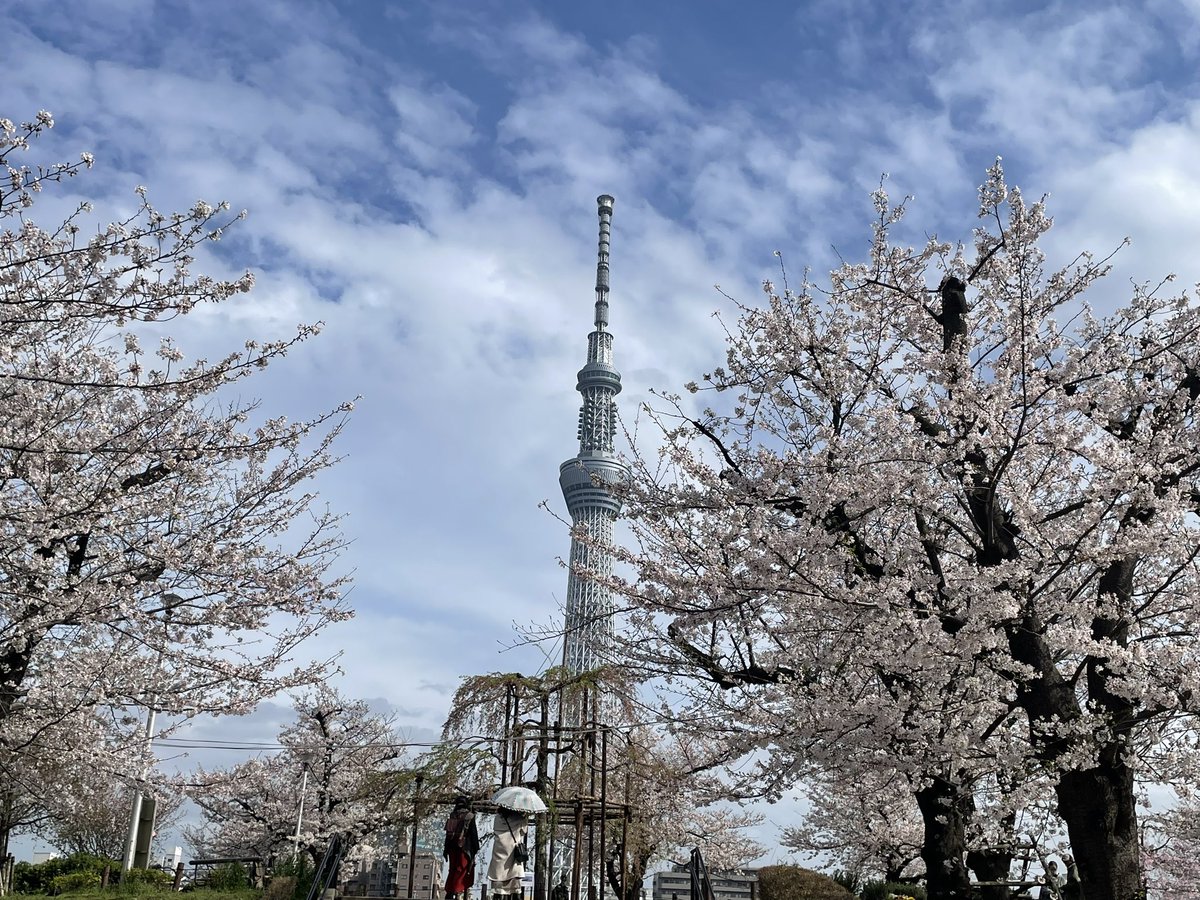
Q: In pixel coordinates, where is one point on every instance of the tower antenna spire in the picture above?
(586, 481)
(604, 208)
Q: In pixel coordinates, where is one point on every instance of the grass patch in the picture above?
(149, 891)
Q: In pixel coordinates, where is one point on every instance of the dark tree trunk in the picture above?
(991, 865)
(945, 841)
(1098, 806)
(635, 874)
(14, 664)
(995, 863)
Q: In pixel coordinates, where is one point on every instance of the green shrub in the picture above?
(787, 882)
(25, 880)
(74, 881)
(154, 878)
(300, 869)
(281, 887)
(849, 880)
(40, 879)
(229, 877)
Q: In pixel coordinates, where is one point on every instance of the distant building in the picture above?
(389, 878)
(676, 884)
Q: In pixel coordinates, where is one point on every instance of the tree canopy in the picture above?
(940, 518)
(161, 546)
(341, 768)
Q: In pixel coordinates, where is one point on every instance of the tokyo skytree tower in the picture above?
(584, 480)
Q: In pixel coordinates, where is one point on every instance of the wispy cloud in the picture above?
(424, 183)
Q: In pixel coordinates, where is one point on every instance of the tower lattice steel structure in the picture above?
(585, 479)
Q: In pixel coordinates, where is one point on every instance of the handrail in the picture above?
(327, 869)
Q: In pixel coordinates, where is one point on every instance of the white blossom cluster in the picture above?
(1173, 854)
(356, 785)
(940, 521)
(143, 557)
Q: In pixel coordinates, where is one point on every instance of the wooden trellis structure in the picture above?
(571, 772)
(570, 767)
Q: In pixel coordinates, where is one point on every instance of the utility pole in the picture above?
(135, 812)
(170, 601)
(412, 855)
(300, 815)
(542, 873)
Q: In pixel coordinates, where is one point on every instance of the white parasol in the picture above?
(519, 799)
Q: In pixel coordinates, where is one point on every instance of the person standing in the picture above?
(1052, 883)
(1073, 889)
(509, 853)
(460, 848)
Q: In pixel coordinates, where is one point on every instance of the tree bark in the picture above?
(991, 865)
(945, 840)
(995, 863)
(892, 872)
(635, 874)
(14, 664)
(1099, 808)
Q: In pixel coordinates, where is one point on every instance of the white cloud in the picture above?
(443, 226)
(434, 122)
(1144, 189)
(1055, 81)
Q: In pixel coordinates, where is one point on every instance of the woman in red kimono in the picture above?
(462, 843)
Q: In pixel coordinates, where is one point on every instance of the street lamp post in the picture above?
(300, 814)
(412, 853)
(135, 812)
(170, 601)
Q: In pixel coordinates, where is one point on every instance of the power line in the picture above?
(186, 743)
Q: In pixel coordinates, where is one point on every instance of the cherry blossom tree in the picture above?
(76, 800)
(160, 545)
(869, 826)
(21, 812)
(93, 816)
(1173, 855)
(676, 805)
(357, 786)
(947, 506)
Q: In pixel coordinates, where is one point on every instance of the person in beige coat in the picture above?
(505, 870)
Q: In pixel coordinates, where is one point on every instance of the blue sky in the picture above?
(421, 176)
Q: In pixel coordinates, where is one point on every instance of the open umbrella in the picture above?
(519, 799)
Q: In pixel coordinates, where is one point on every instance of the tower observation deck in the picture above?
(585, 481)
